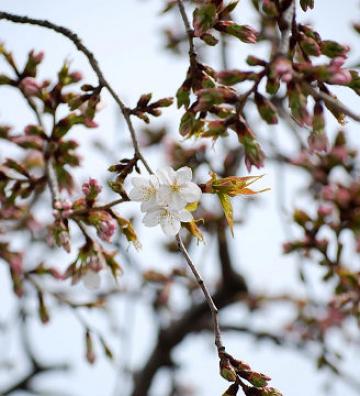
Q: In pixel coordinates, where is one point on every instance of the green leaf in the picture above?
(332, 49)
(266, 109)
(183, 97)
(190, 126)
(204, 19)
(226, 204)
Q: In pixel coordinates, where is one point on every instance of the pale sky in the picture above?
(125, 37)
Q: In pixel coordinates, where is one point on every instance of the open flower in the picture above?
(169, 219)
(176, 188)
(164, 197)
(144, 191)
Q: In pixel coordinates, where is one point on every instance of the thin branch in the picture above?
(318, 94)
(224, 53)
(214, 310)
(288, 17)
(190, 321)
(189, 33)
(52, 181)
(94, 65)
(100, 207)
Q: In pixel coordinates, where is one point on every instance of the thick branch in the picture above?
(193, 319)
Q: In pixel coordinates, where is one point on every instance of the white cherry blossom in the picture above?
(176, 189)
(169, 219)
(164, 197)
(144, 191)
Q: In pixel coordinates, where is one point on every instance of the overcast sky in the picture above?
(125, 36)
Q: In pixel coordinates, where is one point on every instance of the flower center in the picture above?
(149, 192)
(175, 188)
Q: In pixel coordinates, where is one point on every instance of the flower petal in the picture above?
(191, 192)
(149, 204)
(170, 225)
(163, 195)
(154, 182)
(152, 218)
(140, 193)
(177, 201)
(139, 181)
(184, 215)
(166, 175)
(183, 175)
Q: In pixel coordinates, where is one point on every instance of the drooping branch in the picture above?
(191, 321)
(214, 310)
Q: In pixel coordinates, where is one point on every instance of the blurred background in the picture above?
(128, 40)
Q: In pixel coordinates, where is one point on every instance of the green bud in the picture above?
(332, 49)
(266, 109)
(209, 39)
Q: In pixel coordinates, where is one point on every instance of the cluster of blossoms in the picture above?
(164, 197)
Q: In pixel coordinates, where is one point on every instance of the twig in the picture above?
(318, 94)
(288, 17)
(52, 181)
(224, 53)
(189, 33)
(94, 65)
(95, 208)
(214, 310)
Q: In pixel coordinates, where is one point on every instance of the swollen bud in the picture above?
(266, 109)
(332, 49)
(227, 371)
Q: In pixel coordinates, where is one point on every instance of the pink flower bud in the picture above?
(76, 76)
(328, 193)
(341, 153)
(58, 205)
(342, 77)
(324, 210)
(106, 229)
(38, 57)
(283, 69)
(91, 189)
(56, 274)
(30, 86)
(337, 62)
(66, 204)
(90, 123)
(342, 196)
